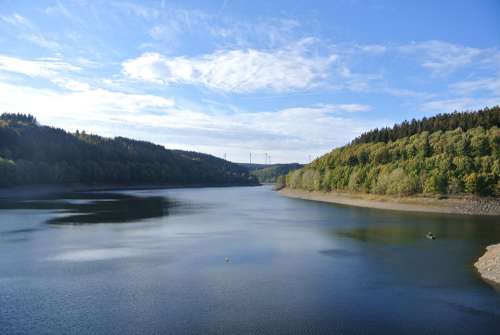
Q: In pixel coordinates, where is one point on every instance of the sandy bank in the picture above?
(488, 265)
(470, 205)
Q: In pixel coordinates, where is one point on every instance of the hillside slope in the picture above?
(463, 158)
(270, 173)
(35, 154)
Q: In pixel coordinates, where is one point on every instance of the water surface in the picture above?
(154, 262)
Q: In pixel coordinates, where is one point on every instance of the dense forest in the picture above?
(270, 173)
(457, 153)
(34, 154)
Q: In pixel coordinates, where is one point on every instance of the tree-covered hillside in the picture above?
(456, 153)
(270, 173)
(35, 154)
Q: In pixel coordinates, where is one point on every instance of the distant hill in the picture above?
(254, 166)
(34, 154)
(457, 153)
(270, 173)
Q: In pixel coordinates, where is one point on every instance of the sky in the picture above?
(293, 79)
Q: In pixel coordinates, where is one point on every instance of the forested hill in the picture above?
(466, 120)
(270, 173)
(457, 153)
(35, 154)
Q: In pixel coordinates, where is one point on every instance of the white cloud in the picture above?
(35, 68)
(53, 69)
(290, 134)
(405, 93)
(235, 70)
(92, 105)
(441, 57)
(319, 127)
(483, 84)
(459, 104)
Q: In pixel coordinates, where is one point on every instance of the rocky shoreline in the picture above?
(465, 205)
(488, 265)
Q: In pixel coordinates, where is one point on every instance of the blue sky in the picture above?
(290, 78)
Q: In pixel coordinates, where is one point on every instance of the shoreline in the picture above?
(464, 206)
(488, 265)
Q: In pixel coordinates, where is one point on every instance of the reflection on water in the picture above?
(90, 207)
(93, 254)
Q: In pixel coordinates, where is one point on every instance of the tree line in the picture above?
(486, 118)
(35, 154)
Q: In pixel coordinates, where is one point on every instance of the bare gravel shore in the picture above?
(488, 265)
(466, 205)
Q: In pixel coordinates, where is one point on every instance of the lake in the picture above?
(240, 260)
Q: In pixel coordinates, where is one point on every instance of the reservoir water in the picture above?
(240, 260)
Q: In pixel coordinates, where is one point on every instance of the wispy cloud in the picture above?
(27, 31)
(406, 93)
(16, 20)
(235, 70)
(484, 84)
(35, 68)
(459, 104)
(41, 41)
(441, 57)
(177, 25)
(140, 10)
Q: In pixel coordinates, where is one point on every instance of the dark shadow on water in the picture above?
(115, 211)
(92, 208)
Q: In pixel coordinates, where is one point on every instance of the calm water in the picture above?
(153, 262)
